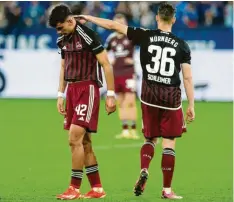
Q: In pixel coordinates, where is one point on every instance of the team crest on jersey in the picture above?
(78, 45)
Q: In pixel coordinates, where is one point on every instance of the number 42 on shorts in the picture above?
(81, 109)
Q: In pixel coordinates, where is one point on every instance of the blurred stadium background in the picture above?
(35, 161)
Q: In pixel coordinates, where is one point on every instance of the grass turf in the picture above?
(35, 157)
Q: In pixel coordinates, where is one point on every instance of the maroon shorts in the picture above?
(164, 123)
(82, 105)
(125, 84)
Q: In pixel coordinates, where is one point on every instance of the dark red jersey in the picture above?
(122, 48)
(79, 52)
(161, 56)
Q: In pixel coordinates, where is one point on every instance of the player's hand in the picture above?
(110, 104)
(82, 18)
(60, 106)
(129, 61)
(190, 115)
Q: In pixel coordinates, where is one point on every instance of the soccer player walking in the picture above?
(82, 57)
(125, 81)
(163, 55)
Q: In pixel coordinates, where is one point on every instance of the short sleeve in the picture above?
(186, 54)
(61, 52)
(97, 46)
(59, 44)
(136, 34)
(91, 38)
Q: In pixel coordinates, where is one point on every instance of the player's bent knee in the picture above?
(73, 143)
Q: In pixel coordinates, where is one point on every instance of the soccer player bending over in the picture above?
(163, 55)
(125, 82)
(82, 57)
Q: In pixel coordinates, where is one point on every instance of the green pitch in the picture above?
(35, 158)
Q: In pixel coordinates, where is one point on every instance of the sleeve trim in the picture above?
(84, 35)
(97, 47)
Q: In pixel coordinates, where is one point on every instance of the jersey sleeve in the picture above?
(62, 53)
(186, 57)
(91, 38)
(136, 34)
(59, 44)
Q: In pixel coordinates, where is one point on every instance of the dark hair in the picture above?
(59, 14)
(166, 12)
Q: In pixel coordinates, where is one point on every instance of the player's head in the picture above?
(61, 19)
(120, 18)
(166, 14)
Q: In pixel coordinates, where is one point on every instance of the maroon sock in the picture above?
(147, 154)
(124, 124)
(93, 176)
(133, 125)
(168, 163)
(76, 178)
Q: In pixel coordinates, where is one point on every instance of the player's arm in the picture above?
(110, 101)
(62, 82)
(61, 89)
(135, 34)
(106, 23)
(101, 55)
(103, 60)
(188, 82)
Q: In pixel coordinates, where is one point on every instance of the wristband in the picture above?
(110, 93)
(60, 94)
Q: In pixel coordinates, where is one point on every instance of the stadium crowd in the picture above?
(17, 16)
